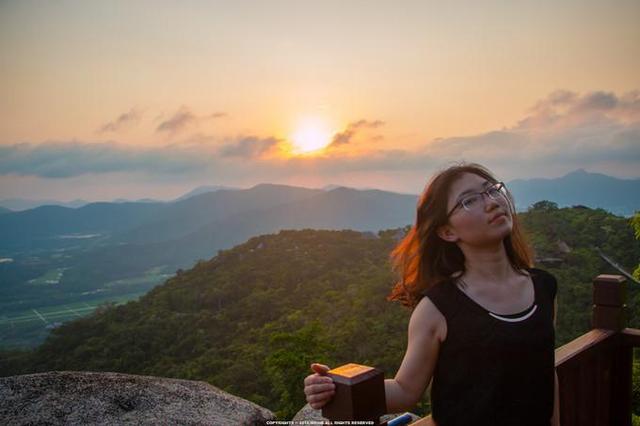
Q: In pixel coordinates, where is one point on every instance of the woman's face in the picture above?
(488, 221)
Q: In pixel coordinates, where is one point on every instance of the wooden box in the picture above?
(359, 394)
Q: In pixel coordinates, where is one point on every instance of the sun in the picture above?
(311, 134)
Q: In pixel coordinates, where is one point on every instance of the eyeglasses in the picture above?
(474, 201)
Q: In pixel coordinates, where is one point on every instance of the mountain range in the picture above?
(128, 247)
(595, 190)
(212, 212)
(619, 196)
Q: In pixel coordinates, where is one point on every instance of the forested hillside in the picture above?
(253, 318)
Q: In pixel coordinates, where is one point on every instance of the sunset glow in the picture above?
(103, 100)
(311, 135)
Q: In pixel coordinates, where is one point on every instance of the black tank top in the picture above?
(495, 369)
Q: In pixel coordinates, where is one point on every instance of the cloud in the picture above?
(249, 147)
(66, 159)
(565, 109)
(347, 135)
(124, 120)
(182, 119)
(564, 131)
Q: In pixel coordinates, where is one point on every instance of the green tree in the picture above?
(544, 205)
(288, 364)
(635, 392)
(251, 320)
(635, 222)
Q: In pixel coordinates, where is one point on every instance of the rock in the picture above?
(70, 397)
(308, 413)
(563, 247)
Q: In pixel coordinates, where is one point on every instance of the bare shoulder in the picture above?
(427, 321)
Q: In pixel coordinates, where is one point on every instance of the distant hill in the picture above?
(20, 204)
(55, 226)
(330, 187)
(204, 189)
(341, 208)
(114, 249)
(333, 186)
(265, 207)
(604, 192)
(154, 222)
(140, 200)
(181, 218)
(136, 222)
(619, 196)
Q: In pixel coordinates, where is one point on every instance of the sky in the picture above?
(149, 99)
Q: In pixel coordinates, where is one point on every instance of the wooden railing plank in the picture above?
(594, 370)
(582, 344)
(631, 337)
(622, 377)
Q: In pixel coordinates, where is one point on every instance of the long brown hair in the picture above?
(423, 260)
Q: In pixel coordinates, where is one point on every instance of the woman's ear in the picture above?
(447, 234)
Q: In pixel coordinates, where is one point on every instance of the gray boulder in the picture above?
(112, 398)
(308, 413)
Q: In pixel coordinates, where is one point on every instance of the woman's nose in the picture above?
(490, 203)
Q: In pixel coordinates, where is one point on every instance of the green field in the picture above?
(51, 277)
(151, 277)
(30, 327)
(26, 322)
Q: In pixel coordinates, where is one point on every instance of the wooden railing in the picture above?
(594, 370)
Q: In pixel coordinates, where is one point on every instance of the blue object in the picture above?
(404, 419)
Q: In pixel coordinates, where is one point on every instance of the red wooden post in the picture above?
(609, 312)
(609, 293)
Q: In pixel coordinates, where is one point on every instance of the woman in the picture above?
(482, 323)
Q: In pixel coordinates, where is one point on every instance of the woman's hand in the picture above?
(319, 387)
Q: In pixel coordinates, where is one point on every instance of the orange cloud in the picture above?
(347, 135)
(124, 120)
(182, 119)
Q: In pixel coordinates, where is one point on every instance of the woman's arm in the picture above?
(555, 420)
(427, 328)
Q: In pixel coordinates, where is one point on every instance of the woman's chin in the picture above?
(492, 241)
